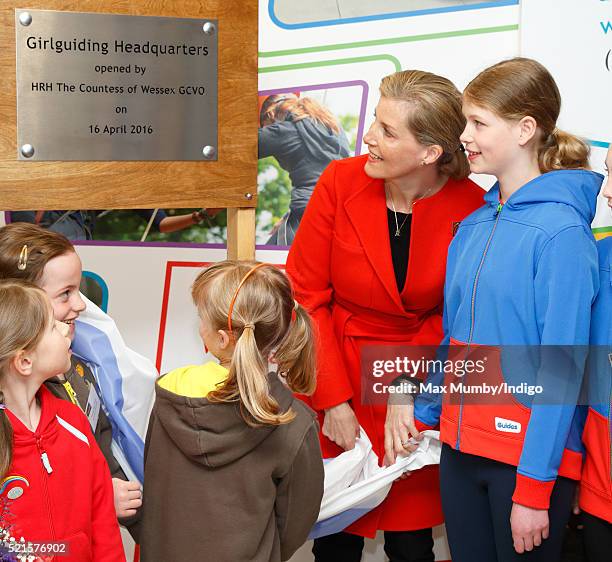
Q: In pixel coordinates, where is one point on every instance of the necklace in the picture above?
(398, 227)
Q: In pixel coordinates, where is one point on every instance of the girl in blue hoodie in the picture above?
(596, 482)
(521, 277)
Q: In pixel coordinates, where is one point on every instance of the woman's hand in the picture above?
(399, 427)
(128, 497)
(340, 425)
(529, 527)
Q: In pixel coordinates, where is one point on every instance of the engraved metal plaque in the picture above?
(115, 87)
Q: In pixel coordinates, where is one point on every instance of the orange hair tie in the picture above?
(231, 306)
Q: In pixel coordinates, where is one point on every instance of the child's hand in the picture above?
(529, 527)
(128, 497)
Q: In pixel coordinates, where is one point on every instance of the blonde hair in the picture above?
(522, 87)
(436, 118)
(279, 106)
(25, 313)
(43, 245)
(264, 320)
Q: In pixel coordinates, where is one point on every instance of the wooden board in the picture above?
(229, 182)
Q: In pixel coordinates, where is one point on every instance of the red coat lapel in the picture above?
(367, 211)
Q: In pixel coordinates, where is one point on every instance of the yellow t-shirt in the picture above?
(194, 381)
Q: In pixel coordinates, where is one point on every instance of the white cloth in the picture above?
(356, 484)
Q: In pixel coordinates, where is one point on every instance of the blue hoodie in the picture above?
(522, 274)
(596, 483)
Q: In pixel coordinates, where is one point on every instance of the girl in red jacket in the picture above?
(55, 487)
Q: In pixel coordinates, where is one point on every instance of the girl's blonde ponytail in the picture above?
(296, 355)
(254, 303)
(249, 369)
(561, 150)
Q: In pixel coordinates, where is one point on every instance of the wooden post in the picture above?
(241, 234)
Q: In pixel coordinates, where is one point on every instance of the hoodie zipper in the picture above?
(498, 211)
(46, 469)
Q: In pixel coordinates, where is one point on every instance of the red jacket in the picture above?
(341, 268)
(59, 488)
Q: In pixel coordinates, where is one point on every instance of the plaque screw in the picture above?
(209, 28)
(27, 150)
(209, 152)
(25, 18)
(248, 196)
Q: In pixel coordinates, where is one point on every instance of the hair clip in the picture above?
(23, 258)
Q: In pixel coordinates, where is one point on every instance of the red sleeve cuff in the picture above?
(532, 493)
(323, 400)
(422, 426)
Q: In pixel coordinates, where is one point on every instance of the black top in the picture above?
(400, 245)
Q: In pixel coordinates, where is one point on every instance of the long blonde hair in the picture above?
(279, 106)
(24, 316)
(521, 87)
(42, 246)
(264, 320)
(436, 119)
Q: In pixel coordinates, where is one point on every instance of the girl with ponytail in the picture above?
(522, 271)
(55, 484)
(243, 453)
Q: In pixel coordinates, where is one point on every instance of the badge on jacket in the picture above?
(14, 486)
(92, 409)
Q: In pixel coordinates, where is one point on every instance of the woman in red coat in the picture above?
(368, 262)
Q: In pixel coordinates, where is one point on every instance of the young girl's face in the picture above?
(607, 188)
(51, 357)
(491, 142)
(60, 280)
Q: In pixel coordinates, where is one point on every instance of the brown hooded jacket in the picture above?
(217, 489)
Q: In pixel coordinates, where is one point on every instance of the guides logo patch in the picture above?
(507, 426)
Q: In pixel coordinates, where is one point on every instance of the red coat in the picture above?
(340, 264)
(67, 496)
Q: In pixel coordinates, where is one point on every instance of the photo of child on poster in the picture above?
(300, 133)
